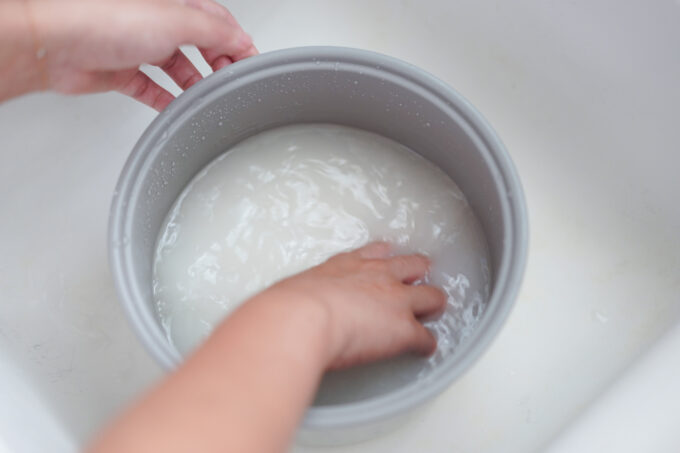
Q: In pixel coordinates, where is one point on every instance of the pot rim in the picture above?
(507, 280)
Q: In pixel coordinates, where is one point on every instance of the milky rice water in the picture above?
(289, 198)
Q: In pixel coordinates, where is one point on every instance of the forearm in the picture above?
(20, 71)
(247, 387)
(244, 390)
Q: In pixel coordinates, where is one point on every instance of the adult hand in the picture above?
(86, 46)
(373, 308)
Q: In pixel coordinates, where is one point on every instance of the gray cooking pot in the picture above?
(331, 85)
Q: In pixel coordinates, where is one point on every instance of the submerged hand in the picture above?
(373, 308)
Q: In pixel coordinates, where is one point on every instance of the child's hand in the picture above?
(259, 370)
(372, 306)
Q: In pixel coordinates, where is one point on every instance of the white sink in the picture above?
(638, 413)
(586, 96)
(26, 423)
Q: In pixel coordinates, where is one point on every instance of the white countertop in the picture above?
(587, 100)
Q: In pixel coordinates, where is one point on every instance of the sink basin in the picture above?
(587, 109)
(26, 423)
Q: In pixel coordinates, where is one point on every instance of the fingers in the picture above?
(421, 339)
(146, 91)
(181, 70)
(409, 268)
(250, 52)
(219, 37)
(209, 31)
(215, 60)
(375, 250)
(211, 7)
(426, 301)
(237, 43)
(218, 61)
(405, 268)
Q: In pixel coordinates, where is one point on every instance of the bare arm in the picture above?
(247, 387)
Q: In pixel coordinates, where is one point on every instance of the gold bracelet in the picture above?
(40, 50)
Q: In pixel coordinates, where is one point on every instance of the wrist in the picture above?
(22, 58)
(309, 319)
